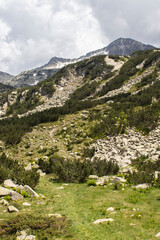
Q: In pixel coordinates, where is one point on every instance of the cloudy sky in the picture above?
(33, 31)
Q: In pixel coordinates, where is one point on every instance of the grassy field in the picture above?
(136, 214)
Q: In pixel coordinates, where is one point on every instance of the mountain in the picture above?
(121, 46)
(107, 104)
(5, 88)
(5, 77)
(95, 122)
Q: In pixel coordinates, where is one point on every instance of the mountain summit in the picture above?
(126, 46)
(121, 46)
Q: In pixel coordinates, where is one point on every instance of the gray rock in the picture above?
(15, 196)
(12, 209)
(41, 173)
(4, 191)
(30, 237)
(118, 179)
(30, 191)
(4, 202)
(93, 177)
(9, 183)
(103, 220)
(29, 166)
(22, 236)
(143, 186)
(157, 235)
(26, 204)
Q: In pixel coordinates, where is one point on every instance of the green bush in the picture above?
(75, 170)
(42, 227)
(91, 183)
(10, 169)
(144, 171)
(24, 194)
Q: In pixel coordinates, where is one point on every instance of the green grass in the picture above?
(82, 205)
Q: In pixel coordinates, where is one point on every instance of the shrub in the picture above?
(42, 227)
(117, 185)
(24, 194)
(91, 183)
(10, 169)
(75, 170)
(144, 171)
(104, 167)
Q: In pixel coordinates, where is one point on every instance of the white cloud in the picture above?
(39, 30)
(33, 31)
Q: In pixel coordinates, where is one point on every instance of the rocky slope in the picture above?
(5, 77)
(108, 104)
(121, 46)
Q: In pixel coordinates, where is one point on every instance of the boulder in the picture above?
(118, 179)
(30, 191)
(10, 183)
(143, 186)
(15, 196)
(4, 191)
(12, 209)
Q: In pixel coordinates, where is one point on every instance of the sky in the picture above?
(34, 31)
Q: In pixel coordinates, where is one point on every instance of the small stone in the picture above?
(12, 209)
(157, 235)
(42, 196)
(30, 237)
(110, 209)
(132, 224)
(57, 215)
(41, 173)
(26, 204)
(60, 188)
(4, 202)
(22, 236)
(93, 177)
(113, 212)
(103, 220)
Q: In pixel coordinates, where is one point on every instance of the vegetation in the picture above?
(82, 205)
(76, 170)
(144, 171)
(125, 110)
(43, 227)
(10, 169)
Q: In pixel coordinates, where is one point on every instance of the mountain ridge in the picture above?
(121, 46)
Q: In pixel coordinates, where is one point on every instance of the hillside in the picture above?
(5, 77)
(93, 128)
